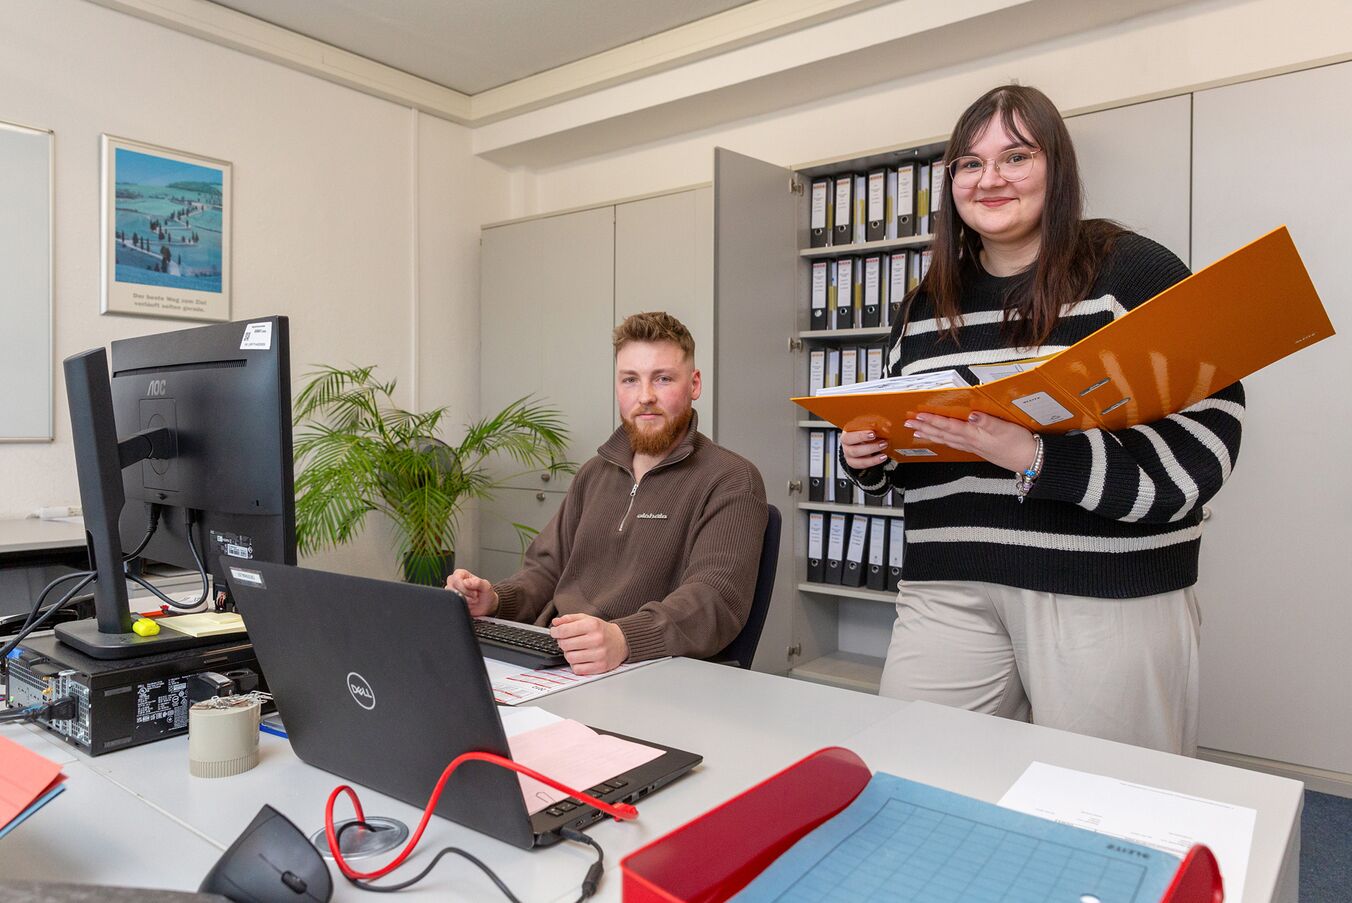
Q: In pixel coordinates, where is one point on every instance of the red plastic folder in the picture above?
(713, 857)
(25, 778)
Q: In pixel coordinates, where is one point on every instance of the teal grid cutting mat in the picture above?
(900, 840)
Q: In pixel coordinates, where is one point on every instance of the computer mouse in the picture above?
(271, 861)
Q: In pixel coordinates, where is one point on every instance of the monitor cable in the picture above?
(618, 811)
(35, 623)
(188, 521)
(37, 618)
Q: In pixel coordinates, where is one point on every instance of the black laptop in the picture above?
(383, 684)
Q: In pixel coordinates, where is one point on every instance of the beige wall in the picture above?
(1162, 52)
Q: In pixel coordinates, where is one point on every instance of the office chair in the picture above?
(742, 649)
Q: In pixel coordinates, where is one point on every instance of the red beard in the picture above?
(655, 442)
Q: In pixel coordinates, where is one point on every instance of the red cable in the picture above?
(618, 811)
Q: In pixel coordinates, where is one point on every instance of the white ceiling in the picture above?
(471, 46)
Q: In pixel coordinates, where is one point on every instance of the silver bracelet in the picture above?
(1023, 483)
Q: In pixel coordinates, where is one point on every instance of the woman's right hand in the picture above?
(863, 449)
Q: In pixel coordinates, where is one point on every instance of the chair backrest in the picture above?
(742, 649)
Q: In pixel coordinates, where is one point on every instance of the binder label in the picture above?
(819, 205)
(876, 541)
(896, 541)
(843, 201)
(849, 367)
(905, 189)
(816, 449)
(858, 533)
(896, 289)
(816, 372)
(815, 522)
(872, 266)
(835, 549)
(819, 284)
(875, 363)
(1042, 408)
(877, 185)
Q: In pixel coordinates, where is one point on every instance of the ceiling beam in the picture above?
(224, 26)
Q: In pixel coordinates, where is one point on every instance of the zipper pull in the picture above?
(632, 492)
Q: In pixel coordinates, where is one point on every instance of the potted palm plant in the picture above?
(357, 452)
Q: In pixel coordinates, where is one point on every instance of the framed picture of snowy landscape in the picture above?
(166, 232)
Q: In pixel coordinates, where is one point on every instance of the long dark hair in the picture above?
(1071, 250)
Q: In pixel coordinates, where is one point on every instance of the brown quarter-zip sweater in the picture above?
(672, 560)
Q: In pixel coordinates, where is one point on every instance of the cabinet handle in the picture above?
(1206, 512)
(539, 496)
(544, 477)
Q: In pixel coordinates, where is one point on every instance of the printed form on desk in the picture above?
(1162, 819)
(514, 684)
(900, 840)
(567, 751)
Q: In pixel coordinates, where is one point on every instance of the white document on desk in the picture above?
(1164, 819)
(513, 684)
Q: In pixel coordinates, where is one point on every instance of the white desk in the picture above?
(29, 534)
(95, 832)
(746, 725)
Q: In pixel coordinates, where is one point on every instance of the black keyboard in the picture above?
(518, 645)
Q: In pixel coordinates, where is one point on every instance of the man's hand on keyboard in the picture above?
(591, 645)
(479, 594)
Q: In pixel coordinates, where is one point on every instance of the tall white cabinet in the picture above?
(1276, 590)
(552, 289)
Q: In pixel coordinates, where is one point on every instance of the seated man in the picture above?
(655, 549)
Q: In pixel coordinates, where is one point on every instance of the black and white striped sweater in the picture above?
(1113, 514)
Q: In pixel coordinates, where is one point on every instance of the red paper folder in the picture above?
(25, 777)
(1249, 309)
(711, 858)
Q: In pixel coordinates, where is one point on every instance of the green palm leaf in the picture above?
(357, 452)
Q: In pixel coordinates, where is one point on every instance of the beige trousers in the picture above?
(1120, 669)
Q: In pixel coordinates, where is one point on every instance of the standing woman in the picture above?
(1051, 581)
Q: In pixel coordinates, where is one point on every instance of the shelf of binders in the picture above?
(849, 592)
(870, 231)
(839, 335)
(847, 508)
(868, 247)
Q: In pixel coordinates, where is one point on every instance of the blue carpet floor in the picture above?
(1326, 849)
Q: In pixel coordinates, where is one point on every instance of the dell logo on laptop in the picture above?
(361, 690)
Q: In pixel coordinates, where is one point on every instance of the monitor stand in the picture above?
(84, 636)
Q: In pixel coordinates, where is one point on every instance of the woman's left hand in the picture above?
(1000, 442)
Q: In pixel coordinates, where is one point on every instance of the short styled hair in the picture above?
(654, 326)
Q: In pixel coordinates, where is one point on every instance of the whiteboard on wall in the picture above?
(26, 284)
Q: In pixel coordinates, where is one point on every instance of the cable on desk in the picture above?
(32, 625)
(37, 603)
(61, 710)
(618, 811)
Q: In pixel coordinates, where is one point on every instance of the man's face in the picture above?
(655, 385)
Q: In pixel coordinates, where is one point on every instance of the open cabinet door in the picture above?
(755, 262)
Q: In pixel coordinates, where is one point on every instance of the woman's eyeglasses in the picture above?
(1012, 165)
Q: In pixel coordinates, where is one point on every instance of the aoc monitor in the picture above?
(183, 456)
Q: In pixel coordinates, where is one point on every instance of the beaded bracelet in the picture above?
(1023, 483)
